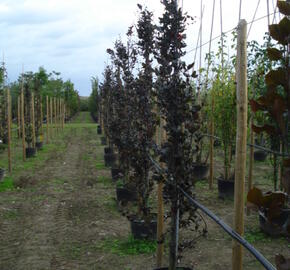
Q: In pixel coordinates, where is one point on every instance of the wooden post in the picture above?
(241, 142)
(63, 112)
(9, 130)
(41, 116)
(47, 120)
(18, 117)
(160, 207)
(23, 124)
(55, 114)
(33, 120)
(211, 150)
(51, 117)
(251, 159)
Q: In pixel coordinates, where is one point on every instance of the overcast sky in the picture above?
(71, 36)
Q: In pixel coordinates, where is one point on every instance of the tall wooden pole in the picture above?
(18, 117)
(47, 120)
(23, 124)
(160, 207)
(33, 120)
(51, 118)
(241, 142)
(41, 116)
(211, 150)
(55, 115)
(62, 119)
(251, 159)
(9, 130)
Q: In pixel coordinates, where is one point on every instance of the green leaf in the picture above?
(274, 54)
(284, 7)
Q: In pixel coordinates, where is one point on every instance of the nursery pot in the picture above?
(39, 145)
(142, 229)
(226, 188)
(108, 150)
(110, 159)
(99, 130)
(125, 195)
(30, 152)
(116, 173)
(260, 155)
(2, 173)
(217, 143)
(103, 141)
(274, 228)
(200, 171)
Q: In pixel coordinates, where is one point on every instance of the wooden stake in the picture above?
(241, 142)
(211, 150)
(9, 130)
(33, 120)
(41, 116)
(51, 118)
(18, 117)
(23, 124)
(160, 207)
(55, 114)
(47, 120)
(63, 113)
(251, 159)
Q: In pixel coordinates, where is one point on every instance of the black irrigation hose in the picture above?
(267, 265)
(255, 146)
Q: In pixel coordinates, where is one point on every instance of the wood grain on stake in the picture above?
(241, 142)
(47, 120)
(23, 123)
(9, 129)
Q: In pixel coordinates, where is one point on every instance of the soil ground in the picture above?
(62, 214)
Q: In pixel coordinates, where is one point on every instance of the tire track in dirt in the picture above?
(32, 241)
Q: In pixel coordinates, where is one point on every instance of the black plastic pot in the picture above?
(2, 173)
(110, 160)
(108, 150)
(103, 141)
(260, 155)
(116, 173)
(275, 227)
(200, 171)
(125, 195)
(39, 145)
(30, 152)
(144, 230)
(217, 143)
(99, 130)
(177, 268)
(226, 188)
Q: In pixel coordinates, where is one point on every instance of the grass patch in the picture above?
(254, 236)
(72, 250)
(106, 181)
(100, 166)
(130, 246)
(6, 184)
(12, 214)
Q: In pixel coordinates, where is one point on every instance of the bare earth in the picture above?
(65, 210)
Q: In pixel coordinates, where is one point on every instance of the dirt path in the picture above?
(64, 216)
(59, 217)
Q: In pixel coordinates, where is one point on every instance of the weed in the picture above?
(254, 236)
(6, 184)
(106, 181)
(130, 246)
(100, 166)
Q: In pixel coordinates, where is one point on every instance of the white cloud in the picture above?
(71, 36)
